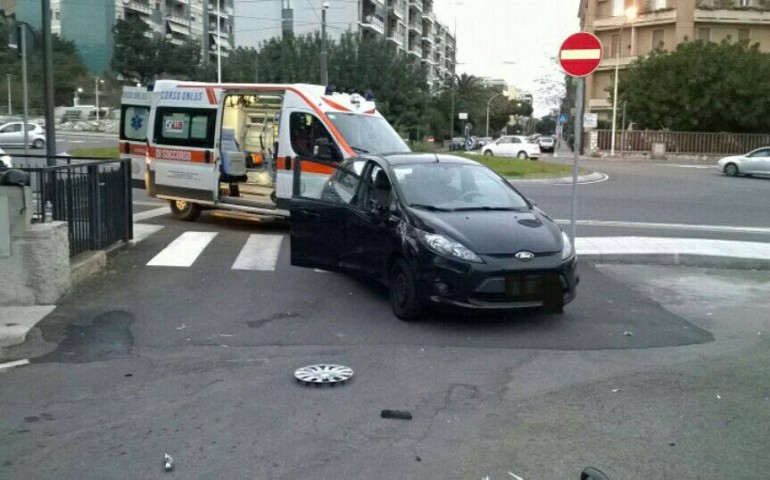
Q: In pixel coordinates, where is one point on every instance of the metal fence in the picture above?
(694, 143)
(92, 195)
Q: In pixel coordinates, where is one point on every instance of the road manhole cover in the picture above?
(323, 374)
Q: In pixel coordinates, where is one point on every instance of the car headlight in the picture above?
(448, 247)
(567, 250)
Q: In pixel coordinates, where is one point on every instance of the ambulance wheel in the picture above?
(184, 210)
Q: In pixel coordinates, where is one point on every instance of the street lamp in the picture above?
(489, 102)
(630, 14)
(97, 81)
(324, 65)
(76, 100)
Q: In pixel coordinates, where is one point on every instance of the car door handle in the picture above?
(309, 214)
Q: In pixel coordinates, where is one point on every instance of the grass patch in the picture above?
(100, 152)
(514, 167)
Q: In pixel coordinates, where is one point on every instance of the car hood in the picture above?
(494, 232)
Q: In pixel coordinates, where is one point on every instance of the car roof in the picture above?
(410, 158)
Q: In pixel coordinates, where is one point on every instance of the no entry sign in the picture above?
(580, 54)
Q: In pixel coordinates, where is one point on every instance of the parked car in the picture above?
(512, 146)
(5, 160)
(438, 230)
(457, 143)
(484, 141)
(546, 144)
(756, 162)
(12, 134)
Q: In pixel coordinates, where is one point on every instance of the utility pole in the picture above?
(23, 44)
(96, 93)
(219, 47)
(50, 127)
(324, 53)
(8, 76)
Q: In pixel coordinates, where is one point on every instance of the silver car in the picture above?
(12, 134)
(756, 162)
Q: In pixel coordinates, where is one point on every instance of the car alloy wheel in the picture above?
(488, 153)
(39, 144)
(522, 155)
(184, 210)
(731, 170)
(404, 297)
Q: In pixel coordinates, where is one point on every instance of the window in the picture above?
(56, 14)
(12, 128)
(342, 186)
(660, 4)
(190, 127)
(744, 34)
(515, 140)
(305, 130)
(615, 46)
(759, 153)
(745, 3)
(704, 34)
(658, 38)
(618, 8)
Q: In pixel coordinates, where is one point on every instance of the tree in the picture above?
(546, 125)
(135, 56)
(706, 87)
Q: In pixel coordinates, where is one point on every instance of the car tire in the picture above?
(404, 297)
(39, 144)
(489, 153)
(522, 155)
(184, 210)
(731, 170)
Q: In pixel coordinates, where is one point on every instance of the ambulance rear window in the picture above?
(134, 123)
(185, 127)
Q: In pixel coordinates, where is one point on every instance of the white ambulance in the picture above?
(134, 118)
(232, 146)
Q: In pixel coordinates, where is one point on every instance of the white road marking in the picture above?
(155, 212)
(17, 363)
(148, 204)
(259, 253)
(689, 166)
(183, 251)
(144, 230)
(665, 245)
(668, 226)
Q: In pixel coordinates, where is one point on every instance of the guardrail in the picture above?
(92, 195)
(693, 143)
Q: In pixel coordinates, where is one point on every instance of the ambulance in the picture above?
(134, 118)
(234, 146)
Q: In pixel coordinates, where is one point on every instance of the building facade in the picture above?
(89, 23)
(410, 25)
(663, 24)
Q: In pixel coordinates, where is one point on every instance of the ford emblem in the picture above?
(525, 256)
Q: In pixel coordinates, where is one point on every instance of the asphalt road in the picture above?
(652, 372)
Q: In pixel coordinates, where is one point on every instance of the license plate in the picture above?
(524, 287)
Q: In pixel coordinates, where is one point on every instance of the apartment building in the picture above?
(89, 23)
(410, 25)
(663, 24)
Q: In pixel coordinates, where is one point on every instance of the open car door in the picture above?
(320, 207)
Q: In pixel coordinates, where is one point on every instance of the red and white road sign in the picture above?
(580, 54)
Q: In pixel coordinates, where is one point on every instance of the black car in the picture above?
(439, 230)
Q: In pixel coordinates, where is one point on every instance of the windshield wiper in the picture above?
(431, 208)
(485, 208)
(359, 149)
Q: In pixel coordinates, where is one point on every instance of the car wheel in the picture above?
(488, 153)
(39, 144)
(522, 155)
(404, 297)
(731, 170)
(184, 210)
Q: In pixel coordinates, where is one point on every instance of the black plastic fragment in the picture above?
(396, 414)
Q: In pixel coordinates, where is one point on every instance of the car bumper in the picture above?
(498, 284)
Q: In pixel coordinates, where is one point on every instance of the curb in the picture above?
(679, 259)
(86, 134)
(594, 177)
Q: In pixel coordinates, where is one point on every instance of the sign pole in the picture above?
(581, 85)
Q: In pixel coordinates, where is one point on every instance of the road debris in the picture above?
(168, 462)
(181, 327)
(615, 390)
(396, 414)
(628, 334)
(323, 374)
(515, 476)
(719, 397)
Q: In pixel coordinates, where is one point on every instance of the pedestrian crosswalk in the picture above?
(260, 251)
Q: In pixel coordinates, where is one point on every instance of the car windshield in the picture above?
(442, 186)
(367, 133)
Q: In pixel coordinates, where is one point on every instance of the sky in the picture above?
(528, 32)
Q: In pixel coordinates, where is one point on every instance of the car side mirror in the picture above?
(323, 150)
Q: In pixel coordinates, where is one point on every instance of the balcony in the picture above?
(415, 50)
(397, 10)
(429, 17)
(609, 62)
(427, 39)
(415, 27)
(416, 4)
(598, 104)
(645, 19)
(396, 40)
(138, 7)
(178, 19)
(733, 16)
(374, 23)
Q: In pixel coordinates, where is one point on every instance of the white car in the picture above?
(5, 160)
(12, 134)
(512, 146)
(756, 162)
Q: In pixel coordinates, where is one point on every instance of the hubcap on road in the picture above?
(323, 374)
